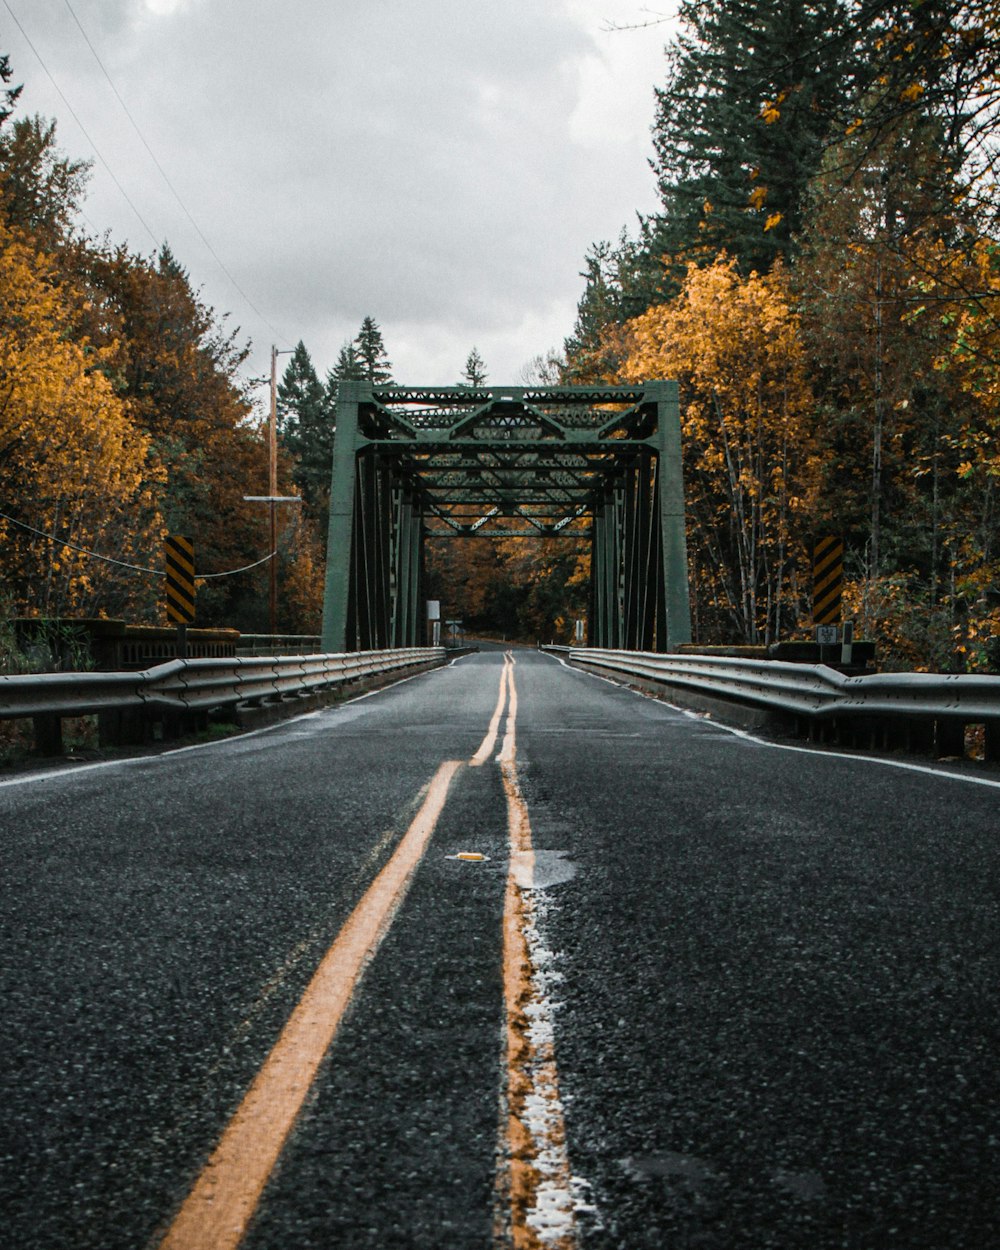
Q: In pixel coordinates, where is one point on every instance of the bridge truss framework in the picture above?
(412, 463)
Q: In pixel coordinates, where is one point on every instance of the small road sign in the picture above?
(828, 580)
(180, 579)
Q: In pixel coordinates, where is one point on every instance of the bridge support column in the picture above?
(340, 535)
(407, 545)
(675, 629)
(606, 560)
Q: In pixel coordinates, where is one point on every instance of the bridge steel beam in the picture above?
(413, 463)
(337, 596)
(676, 600)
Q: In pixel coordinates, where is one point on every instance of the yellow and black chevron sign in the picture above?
(180, 579)
(828, 580)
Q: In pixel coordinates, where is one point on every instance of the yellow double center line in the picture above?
(217, 1211)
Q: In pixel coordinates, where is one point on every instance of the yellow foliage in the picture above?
(750, 450)
(76, 467)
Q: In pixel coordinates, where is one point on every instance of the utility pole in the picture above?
(272, 498)
(272, 485)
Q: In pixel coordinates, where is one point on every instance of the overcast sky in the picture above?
(442, 165)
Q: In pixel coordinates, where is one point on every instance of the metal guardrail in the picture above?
(811, 689)
(197, 685)
(924, 711)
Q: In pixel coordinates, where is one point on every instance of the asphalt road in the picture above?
(773, 977)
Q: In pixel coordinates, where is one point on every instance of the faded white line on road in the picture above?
(61, 774)
(535, 1188)
(941, 773)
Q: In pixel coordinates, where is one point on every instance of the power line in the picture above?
(97, 150)
(166, 179)
(135, 568)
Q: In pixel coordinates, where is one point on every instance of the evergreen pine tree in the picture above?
(8, 96)
(601, 305)
(306, 425)
(751, 94)
(371, 354)
(474, 373)
(347, 369)
(301, 397)
(740, 125)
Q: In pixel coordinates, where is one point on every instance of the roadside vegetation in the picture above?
(821, 276)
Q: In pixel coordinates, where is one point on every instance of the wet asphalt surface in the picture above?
(776, 1024)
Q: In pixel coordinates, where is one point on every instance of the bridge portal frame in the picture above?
(412, 463)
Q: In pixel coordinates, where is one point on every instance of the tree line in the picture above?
(123, 414)
(822, 276)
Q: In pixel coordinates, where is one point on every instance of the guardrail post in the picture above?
(949, 738)
(123, 727)
(48, 734)
(991, 740)
(919, 737)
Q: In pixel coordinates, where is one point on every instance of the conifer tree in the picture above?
(371, 354)
(9, 95)
(474, 373)
(347, 369)
(741, 122)
(306, 425)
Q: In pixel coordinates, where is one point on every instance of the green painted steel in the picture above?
(340, 534)
(671, 528)
(412, 463)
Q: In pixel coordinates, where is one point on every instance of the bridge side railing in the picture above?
(921, 710)
(187, 690)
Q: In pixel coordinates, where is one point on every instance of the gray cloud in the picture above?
(442, 166)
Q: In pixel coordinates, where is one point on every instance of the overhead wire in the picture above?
(163, 174)
(97, 151)
(136, 568)
(111, 173)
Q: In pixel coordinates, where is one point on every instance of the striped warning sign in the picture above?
(828, 580)
(180, 579)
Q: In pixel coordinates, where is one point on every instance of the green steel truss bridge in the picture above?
(412, 463)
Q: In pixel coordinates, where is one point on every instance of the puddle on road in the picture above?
(808, 1186)
(538, 870)
(686, 1171)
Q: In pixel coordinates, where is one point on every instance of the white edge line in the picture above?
(942, 773)
(75, 770)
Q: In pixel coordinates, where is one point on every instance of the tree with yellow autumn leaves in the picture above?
(123, 416)
(750, 448)
(849, 384)
(76, 469)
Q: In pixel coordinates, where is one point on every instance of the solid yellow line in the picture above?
(489, 742)
(218, 1209)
